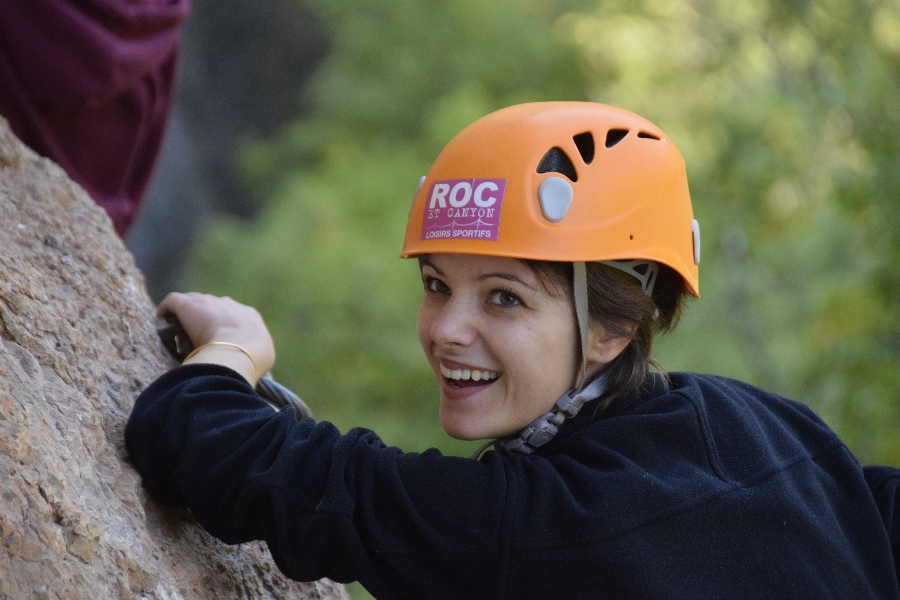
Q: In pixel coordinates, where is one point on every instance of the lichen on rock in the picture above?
(77, 345)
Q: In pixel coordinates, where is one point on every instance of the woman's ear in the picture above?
(604, 346)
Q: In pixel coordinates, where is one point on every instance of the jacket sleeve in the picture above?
(884, 482)
(328, 505)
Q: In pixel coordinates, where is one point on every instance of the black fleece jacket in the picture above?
(709, 489)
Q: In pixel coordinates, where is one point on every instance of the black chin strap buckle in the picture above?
(545, 427)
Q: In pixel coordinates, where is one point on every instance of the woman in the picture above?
(554, 240)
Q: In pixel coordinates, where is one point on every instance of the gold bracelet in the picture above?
(230, 345)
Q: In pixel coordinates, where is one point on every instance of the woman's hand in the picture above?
(207, 318)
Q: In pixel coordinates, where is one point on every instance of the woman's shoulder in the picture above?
(733, 431)
(725, 399)
(746, 429)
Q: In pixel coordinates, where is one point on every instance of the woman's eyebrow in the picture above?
(427, 263)
(501, 275)
(507, 277)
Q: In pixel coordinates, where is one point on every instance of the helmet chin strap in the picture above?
(645, 271)
(580, 291)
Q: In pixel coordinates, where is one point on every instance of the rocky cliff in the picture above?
(76, 347)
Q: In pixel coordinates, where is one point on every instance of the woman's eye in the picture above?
(504, 298)
(435, 285)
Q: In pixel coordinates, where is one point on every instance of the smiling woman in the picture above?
(493, 315)
(538, 320)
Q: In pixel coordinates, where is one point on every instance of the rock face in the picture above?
(77, 345)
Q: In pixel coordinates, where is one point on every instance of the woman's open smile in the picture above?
(465, 377)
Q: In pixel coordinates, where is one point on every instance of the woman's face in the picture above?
(502, 347)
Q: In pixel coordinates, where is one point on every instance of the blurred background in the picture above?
(302, 128)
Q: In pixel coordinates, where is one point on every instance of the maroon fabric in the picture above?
(88, 84)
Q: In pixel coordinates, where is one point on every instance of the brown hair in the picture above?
(617, 302)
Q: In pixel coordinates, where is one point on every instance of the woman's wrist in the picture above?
(226, 354)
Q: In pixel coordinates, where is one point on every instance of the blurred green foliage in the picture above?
(786, 112)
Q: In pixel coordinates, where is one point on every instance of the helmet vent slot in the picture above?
(649, 136)
(557, 161)
(614, 136)
(585, 143)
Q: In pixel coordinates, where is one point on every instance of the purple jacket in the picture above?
(88, 84)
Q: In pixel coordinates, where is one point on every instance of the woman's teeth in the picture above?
(468, 374)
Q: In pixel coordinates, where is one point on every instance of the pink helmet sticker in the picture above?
(463, 208)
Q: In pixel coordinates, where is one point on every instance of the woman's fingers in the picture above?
(173, 301)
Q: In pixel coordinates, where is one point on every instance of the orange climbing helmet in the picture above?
(559, 181)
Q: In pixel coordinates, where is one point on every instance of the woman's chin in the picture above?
(462, 429)
(460, 433)
(467, 431)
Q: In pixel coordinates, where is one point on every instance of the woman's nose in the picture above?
(454, 323)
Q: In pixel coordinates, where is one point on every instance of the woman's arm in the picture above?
(327, 505)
